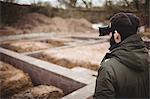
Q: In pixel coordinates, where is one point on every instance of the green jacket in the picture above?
(124, 72)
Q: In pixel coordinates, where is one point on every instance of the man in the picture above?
(124, 71)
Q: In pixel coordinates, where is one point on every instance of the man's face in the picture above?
(115, 39)
(111, 39)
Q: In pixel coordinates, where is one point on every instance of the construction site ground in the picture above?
(80, 53)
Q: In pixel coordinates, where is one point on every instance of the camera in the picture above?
(105, 30)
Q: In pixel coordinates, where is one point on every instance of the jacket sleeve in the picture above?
(104, 88)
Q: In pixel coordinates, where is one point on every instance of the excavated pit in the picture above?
(31, 43)
(12, 80)
(21, 46)
(87, 56)
(17, 84)
(40, 78)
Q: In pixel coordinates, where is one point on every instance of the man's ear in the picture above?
(117, 37)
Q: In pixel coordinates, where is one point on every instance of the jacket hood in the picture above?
(132, 53)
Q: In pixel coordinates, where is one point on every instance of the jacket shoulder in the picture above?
(111, 62)
(112, 66)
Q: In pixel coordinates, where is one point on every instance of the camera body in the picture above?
(105, 30)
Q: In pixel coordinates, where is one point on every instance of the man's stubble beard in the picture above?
(112, 43)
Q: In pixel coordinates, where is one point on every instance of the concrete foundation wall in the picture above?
(74, 85)
(42, 76)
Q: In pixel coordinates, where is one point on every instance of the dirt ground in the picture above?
(12, 80)
(21, 46)
(16, 84)
(27, 46)
(83, 56)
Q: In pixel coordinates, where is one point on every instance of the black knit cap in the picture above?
(125, 23)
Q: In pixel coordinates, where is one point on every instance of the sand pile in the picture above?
(32, 20)
(80, 25)
(35, 22)
(15, 84)
(83, 56)
(12, 80)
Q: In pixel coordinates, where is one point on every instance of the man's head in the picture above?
(125, 23)
(122, 26)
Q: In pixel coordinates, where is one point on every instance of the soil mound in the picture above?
(15, 84)
(35, 22)
(12, 80)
